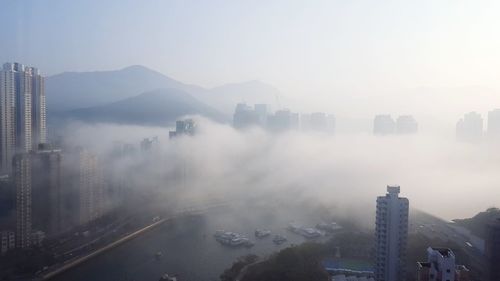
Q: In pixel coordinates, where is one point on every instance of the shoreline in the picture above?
(124, 239)
(103, 249)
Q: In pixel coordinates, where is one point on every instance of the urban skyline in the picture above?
(244, 141)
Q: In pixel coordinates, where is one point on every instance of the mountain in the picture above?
(157, 107)
(73, 90)
(477, 224)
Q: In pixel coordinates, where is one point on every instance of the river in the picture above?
(189, 248)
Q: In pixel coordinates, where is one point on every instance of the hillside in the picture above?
(158, 107)
(74, 90)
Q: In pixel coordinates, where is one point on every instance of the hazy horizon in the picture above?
(323, 55)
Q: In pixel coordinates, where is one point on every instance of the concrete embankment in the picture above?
(80, 260)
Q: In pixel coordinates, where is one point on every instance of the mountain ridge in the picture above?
(72, 90)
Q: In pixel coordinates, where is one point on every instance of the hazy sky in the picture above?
(308, 49)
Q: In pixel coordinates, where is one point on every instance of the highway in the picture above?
(433, 227)
(81, 253)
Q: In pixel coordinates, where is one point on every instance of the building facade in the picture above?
(90, 188)
(38, 109)
(47, 191)
(494, 124)
(8, 242)
(406, 124)
(22, 182)
(391, 234)
(7, 119)
(441, 266)
(470, 127)
(383, 125)
(23, 112)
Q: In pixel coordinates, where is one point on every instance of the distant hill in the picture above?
(157, 107)
(477, 224)
(74, 90)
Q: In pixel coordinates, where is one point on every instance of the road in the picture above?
(433, 227)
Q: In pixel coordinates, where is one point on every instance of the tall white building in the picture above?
(22, 112)
(391, 231)
(38, 108)
(494, 123)
(90, 188)
(383, 124)
(7, 119)
(470, 127)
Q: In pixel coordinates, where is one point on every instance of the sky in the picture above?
(349, 57)
(330, 55)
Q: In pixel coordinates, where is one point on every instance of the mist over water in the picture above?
(344, 171)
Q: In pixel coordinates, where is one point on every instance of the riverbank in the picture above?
(116, 243)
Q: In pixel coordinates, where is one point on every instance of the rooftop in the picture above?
(445, 252)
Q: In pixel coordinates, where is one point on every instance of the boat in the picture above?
(307, 232)
(329, 227)
(279, 239)
(158, 255)
(166, 277)
(232, 239)
(261, 233)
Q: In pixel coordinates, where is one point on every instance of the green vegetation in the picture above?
(233, 272)
(298, 263)
(303, 262)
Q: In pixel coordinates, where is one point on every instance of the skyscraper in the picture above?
(383, 125)
(23, 113)
(39, 194)
(38, 108)
(406, 124)
(47, 191)
(90, 188)
(470, 127)
(440, 265)
(492, 250)
(391, 233)
(7, 119)
(23, 92)
(245, 116)
(494, 124)
(22, 182)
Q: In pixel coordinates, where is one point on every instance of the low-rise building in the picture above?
(8, 241)
(440, 266)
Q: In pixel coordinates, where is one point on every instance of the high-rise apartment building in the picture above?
(22, 182)
(7, 119)
(90, 188)
(246, 116)
(406, 124)
(39, 194)
(183, 127)
(383, 125)
(47, 191)
(441, 266)
(23, 113)
(470, 127)
(494, 123)
(38, 109)
(391, 232)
